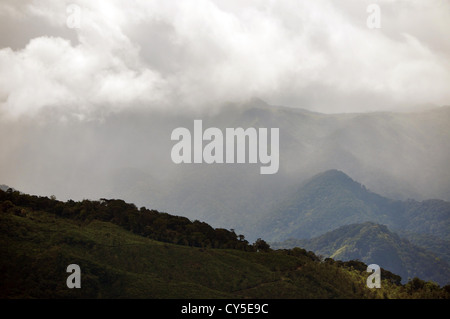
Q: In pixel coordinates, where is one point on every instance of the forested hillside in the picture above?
(333, 199)
(128, 252)
(376, 244)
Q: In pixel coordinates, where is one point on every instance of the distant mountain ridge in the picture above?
(396, 155)
(373, 243)
(337, 217)
(332, 199)
(436, 245)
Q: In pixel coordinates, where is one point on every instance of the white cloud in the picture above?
(176, 54)
(49, 72)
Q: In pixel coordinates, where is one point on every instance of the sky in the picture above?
(85, 59)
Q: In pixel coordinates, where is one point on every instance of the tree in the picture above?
(261, 245)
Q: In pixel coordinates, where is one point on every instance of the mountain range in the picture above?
(373, 243)
(399, 160)
(335, 216)
(396, 155)
(126, 252)
(127, 155)
(332, 199)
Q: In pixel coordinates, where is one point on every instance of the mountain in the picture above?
(326, 201)
(332, 199)
(388, 152)
(376, 244)
(431, 217)
(113, 244)
(436, 245)
(127, 156)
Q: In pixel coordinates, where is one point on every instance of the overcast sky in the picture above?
(181, 55)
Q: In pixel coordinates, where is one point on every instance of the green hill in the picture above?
(375, 244)
(332, 199)
(115, 245)
(325, 202)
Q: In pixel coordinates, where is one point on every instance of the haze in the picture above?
(87, 112)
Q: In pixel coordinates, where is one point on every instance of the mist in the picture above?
(128, 156)
(87, 111)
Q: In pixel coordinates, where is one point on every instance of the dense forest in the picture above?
(145, 222)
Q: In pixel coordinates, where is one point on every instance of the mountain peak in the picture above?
(332, 181)
(332, 174)
(328, 200)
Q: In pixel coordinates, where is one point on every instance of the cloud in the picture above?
(176, 55)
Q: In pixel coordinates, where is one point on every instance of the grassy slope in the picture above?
(36, 247)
